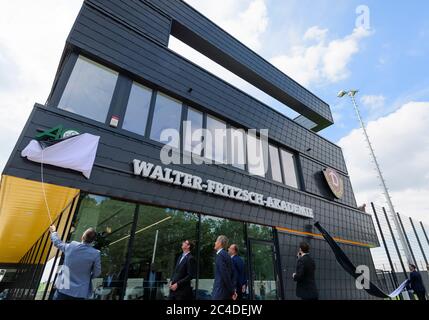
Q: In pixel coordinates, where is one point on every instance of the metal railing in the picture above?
(35, 262)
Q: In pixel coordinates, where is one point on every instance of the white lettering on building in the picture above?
(186, 180)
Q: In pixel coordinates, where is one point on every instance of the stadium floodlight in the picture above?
(352, 94)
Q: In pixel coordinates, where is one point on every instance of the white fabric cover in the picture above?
(398, 290)
(76, 153)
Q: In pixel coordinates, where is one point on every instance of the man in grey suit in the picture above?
(81, 264)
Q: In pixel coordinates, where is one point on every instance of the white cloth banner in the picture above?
(76, 153)
(399, 289)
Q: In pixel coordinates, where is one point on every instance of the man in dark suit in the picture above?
(223, 286)
(305, 268)
(184, 272)
(240, 281)
(416, 283)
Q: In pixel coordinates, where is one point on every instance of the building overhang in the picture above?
(23, 213)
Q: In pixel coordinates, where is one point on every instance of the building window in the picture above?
(215, 141)
(137, 109)
(157, 247)
(113, 221)
(167, 116)
(193, 134)
(255, 157)
(210, 229)
(237, 150)
(89, 90)
(276, 171)
(289, 168)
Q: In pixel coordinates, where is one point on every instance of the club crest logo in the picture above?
(335, 182)
(56, 134)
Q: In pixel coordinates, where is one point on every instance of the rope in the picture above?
(43, 189)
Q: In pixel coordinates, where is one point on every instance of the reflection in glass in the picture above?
(263, 272)
(289, 168)
(89, 90)
(238, 148)
(137, 109)
(157, 246)
(215, 147)
(166, 116)
(255, 156)
(193, 137)
(210, 229)
(259, 232)
(276, 171)
(112, 219)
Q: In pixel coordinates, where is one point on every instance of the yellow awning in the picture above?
(24, 216)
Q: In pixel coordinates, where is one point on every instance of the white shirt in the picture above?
(183, 256)
(219, 250)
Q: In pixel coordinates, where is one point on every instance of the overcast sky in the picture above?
(321, 48)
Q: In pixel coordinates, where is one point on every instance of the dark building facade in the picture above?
(118, 80)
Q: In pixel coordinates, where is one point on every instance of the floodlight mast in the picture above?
(352, 94)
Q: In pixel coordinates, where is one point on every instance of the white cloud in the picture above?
(321, 61)
(401, 142)
(246, 20)
(315, 33)
(373, 102)
(31, 43)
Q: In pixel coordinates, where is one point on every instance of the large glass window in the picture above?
(237, 150)
(137, 109)
(193, 134)
(145, 271)
(259, 232)
(265, 283)
(157, 246)
(255, 158)
(89, 90)
(167, 116)
(289, 168)
(112, 219)
(276, 171)
(215, 146)
(210, 229)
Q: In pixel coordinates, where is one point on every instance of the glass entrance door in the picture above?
(264, 280)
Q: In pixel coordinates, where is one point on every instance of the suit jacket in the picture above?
(305, 281)
(239, 272)
(416, 282)
(183, 273)
(81, 263)
(223, 286)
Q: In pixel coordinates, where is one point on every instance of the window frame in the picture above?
(118, 107)
(295, 165)
(152, 113)
(60, 85)
(125, 108)
(266, 162)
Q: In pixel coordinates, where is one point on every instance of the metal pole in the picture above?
(424, 231)
(405, 295)
(385, 244)
(419, 242)
(406, 238)
(154, 246)
(386, 193)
